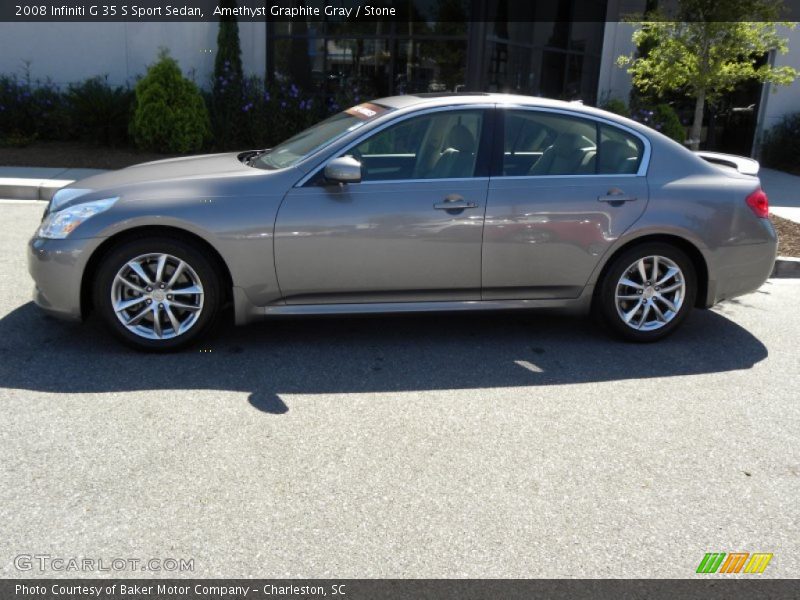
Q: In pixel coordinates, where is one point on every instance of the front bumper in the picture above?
(57, 268)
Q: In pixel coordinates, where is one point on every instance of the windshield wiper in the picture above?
(251, 155)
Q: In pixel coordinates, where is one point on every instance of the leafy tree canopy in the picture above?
(706, 48)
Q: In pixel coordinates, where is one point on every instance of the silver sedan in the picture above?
(432, 202)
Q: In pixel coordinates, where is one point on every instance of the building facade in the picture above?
(526, 48)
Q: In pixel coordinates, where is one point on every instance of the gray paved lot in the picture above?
(502, 446)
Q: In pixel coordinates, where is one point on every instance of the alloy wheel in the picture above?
(157, 296)
(650, 293)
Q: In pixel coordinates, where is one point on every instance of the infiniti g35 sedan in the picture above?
(432, 202)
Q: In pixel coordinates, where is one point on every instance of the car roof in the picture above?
(449, 98)
(422, 101)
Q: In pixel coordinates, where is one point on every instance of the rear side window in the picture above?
(619, 152)
(542, 143)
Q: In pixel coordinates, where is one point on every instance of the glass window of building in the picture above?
(530, 48)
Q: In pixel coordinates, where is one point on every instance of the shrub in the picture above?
(15, 139)
(662, 118)
(226, 91)
(616, 106)
(670, 123)
(15, 109)
(100, 112)
(169, 114)
(31, 110)
(780, 148)
(273, 112)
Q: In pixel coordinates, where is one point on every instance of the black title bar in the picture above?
(355, 11)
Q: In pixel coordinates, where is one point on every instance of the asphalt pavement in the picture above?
(512, 445)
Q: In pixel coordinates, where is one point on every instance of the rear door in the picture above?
(564, 190)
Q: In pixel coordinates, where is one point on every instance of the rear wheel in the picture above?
(647, 292)
(157, 294)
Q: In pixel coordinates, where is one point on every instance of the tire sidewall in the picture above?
(606, 301)
(114, 260)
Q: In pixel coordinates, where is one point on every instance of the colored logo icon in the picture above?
(735, 562)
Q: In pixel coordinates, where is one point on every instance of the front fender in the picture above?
(239, 229)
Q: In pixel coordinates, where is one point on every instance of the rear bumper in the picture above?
(742, 269)
(57, 269)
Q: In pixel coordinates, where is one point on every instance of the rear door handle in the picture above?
(616, 195)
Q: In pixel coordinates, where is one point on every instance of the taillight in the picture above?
(758, 203)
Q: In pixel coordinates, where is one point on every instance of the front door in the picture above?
(410, 231)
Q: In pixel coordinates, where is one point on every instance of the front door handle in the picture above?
(454, 202)
(616, 196)
(460, 205)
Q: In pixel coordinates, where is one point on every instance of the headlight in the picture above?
(64, 195)
(58, 225)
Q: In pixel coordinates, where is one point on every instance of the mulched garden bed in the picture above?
(788, 236)
(74, 155)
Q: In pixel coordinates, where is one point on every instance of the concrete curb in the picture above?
(26, 183)
(786, 267)
(17, 188)
(790, 213)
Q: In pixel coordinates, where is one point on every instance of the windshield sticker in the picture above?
(365, 111)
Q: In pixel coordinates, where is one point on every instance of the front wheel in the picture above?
(647, 292)
(157, 294)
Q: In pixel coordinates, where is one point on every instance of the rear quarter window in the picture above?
(619, 152)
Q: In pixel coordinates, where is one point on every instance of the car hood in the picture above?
(205, 175)
(171, 169)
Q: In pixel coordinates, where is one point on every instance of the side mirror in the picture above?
(344, 169)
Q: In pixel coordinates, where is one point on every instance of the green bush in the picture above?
(166, 113)
(780, 148)
(31, 109)
(169, 112)
(99, 112)
(616, 106)
(274, 112)
(669, 123)
(15, 139)
(662, 118)
(227, 117)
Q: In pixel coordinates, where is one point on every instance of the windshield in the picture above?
(320, 135)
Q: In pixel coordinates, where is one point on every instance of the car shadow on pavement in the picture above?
(375, 354)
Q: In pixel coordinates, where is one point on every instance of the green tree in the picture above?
(169, 113)
(227, 89)
(705, 49)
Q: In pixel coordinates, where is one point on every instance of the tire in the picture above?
(139, 294)
(637, 308)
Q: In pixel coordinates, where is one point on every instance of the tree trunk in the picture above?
(697, 124)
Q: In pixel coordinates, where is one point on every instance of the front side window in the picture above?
(440, 145)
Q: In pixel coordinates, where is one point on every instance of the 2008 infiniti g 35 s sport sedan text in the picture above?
(412, 203)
